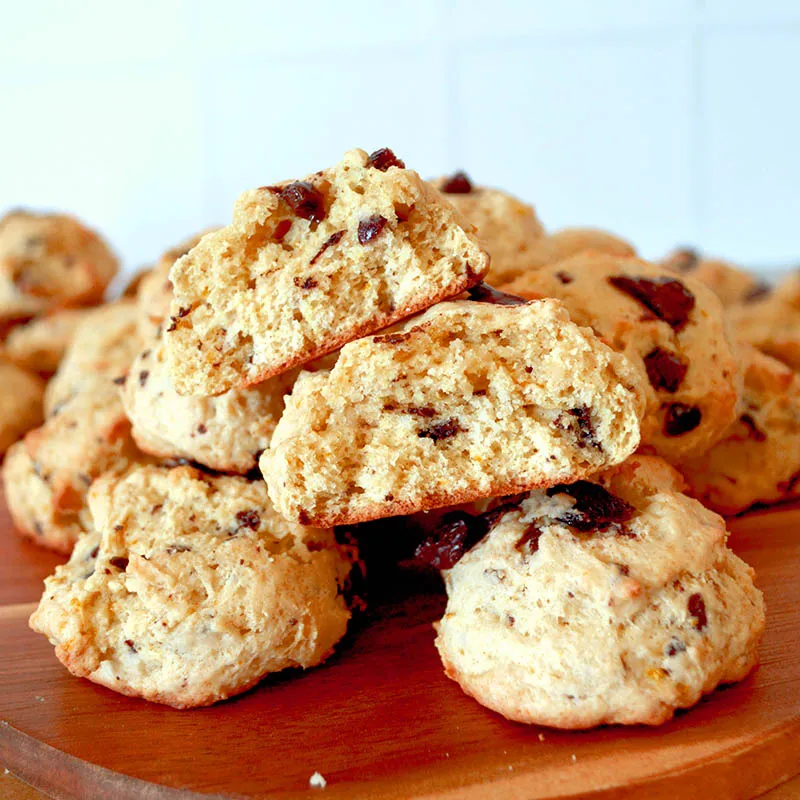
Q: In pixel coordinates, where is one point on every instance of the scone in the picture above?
(671, 329)
(470, 400)
(508, 228)
(568, 242)
(758, 459)
(730, 283)
(40, 344)
(227, 432)
(102, 349)
(771, 323)
(190, 589)
(611, 601)
(20, 403)
(47, 475)
(50, 260)
(309, 265)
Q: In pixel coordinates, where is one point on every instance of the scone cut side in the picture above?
(469, 400)
(309, 265)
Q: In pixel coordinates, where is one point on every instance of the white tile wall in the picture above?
(666, 120)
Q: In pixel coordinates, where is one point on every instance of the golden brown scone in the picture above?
(758, 459)
(102, 349)
(190, 588)
(20, 403)
(309, 265)
(730, 283)
(672, 330)
(39, 345)
(470, 400)
(47, 475)
(508, 228)
(771, 322)
(607, 601)
(50, 260)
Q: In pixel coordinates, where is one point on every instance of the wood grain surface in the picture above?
(380, 719)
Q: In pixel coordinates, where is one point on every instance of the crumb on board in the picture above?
(317, 781)
(574, 758)
(541, 737)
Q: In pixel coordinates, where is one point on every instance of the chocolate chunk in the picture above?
(442, 430)
(529, 541)
(564, 277)
(383, 159)
(753, 431)
(595, 508)
(281, 229)
(684, 260)
(675, 646)
(391, 338)
(201, 429)
(143, 376)
(458, 183)
(120, 562)
(333, 239)
(370, 228)
(579, 420)
(305, 201)
(177, 548)
(182, 312)
(248, 519)
(95, 551)
(665, 369)
(697, 608)
(483, 293)
(120, 381)
(757, 292)
(666, 297)
(681, 418)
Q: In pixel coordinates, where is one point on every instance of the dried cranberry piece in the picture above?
(457, 534)
(248, 519)
(666, 297)
(422, 411)
(441, 430)
(306, 201)
(332, 240)
(595, 508)
(582, 425)
(305, 283)
(458, 183)
(675, 646)
(370, 228)
(681, 418)
(753, 431)
(383, 159)
(120, 562)
(564, 277)
(483, 293)
(281, 229)
(665, 370)
(529, 541)
(697, 608)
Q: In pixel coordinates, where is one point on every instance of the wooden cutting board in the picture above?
(380, 720)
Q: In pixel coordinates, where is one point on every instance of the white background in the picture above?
(668, 121)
